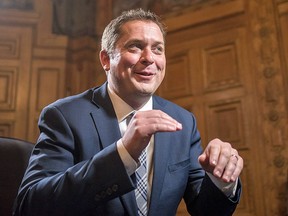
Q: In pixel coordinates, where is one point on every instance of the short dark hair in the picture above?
(112, 32)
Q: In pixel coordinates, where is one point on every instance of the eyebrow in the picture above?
(141, 41)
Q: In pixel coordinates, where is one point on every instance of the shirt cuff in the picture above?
(228, 188)
(129, 163)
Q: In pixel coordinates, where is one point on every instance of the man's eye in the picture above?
(134, 47)
(158, 49)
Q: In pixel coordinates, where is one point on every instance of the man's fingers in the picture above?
(238, 169)
(224, 161)
(205, 163)
(232, 168)
(143, 125)
(153, 121)
(229, 169)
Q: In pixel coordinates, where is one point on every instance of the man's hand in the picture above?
(221, 160)
(142, 126)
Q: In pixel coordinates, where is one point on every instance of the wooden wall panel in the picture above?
(15, 46)
(44, 36)
(225, 120)
(48, 79)
(48, 86)
(283, 30)
(8, 84)
(81, 64)
(222, 92)
(228, 121)
(221, 66)
(9, 46)
(181, 86)
(204, 15)
(238, 69)
(7, 128)
(269, 80)
(32, 60)
(213, 79)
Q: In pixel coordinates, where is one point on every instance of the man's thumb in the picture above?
(202, 159)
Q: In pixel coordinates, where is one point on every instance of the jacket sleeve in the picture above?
(56, 182)
(202, 196)
(213, 202)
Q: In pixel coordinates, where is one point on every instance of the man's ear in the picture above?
(105, 60)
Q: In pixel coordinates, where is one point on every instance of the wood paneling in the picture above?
(15, 46)
(269, 79)
(204, 14)
(283, 32)
(32, 66)
(8, 83)
(223, 64)
(48, 80)
(181, 86)
(210, 74)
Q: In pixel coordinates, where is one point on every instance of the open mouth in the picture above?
(145, 75)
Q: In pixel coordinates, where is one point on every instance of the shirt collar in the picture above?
(122, 109)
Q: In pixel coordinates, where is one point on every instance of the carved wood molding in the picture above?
(206, 14)
(271, 94)
(283, 7)
(17, 4)
(74, 18)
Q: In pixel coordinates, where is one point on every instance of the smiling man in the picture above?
(136, 67)
(118, 149)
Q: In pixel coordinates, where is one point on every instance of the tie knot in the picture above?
(129, 117)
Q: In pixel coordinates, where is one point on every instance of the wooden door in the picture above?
(209, 73)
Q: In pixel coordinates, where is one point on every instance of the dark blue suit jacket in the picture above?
(75, 168)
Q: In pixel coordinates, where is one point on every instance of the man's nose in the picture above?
(147, 57)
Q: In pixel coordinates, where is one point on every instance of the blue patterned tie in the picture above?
(141, 179)
(141, 190)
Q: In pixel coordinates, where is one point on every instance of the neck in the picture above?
(137, 102)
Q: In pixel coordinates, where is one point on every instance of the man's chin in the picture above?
(146, 89)
(146, 94)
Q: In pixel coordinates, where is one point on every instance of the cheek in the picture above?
(161, 63)
(161, 78)
(120, 67)
(126, 64)
(162, 74)
(162, 68)
(129, 58)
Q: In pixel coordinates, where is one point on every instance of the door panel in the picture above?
(15, 56)
(210, 76)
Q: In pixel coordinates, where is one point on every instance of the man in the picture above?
(86, 160)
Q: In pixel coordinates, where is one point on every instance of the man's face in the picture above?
(137, 65)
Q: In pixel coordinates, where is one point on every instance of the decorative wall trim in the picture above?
(271, 91)
(205, 14)
(17, 4)
(74, 18)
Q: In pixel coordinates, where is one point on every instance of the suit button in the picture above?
(109, 191)
(114, 187)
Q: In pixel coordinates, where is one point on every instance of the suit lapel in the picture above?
(106, 124)
(104, 117)
(160, 158)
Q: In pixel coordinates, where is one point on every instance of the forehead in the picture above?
(141, 29)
